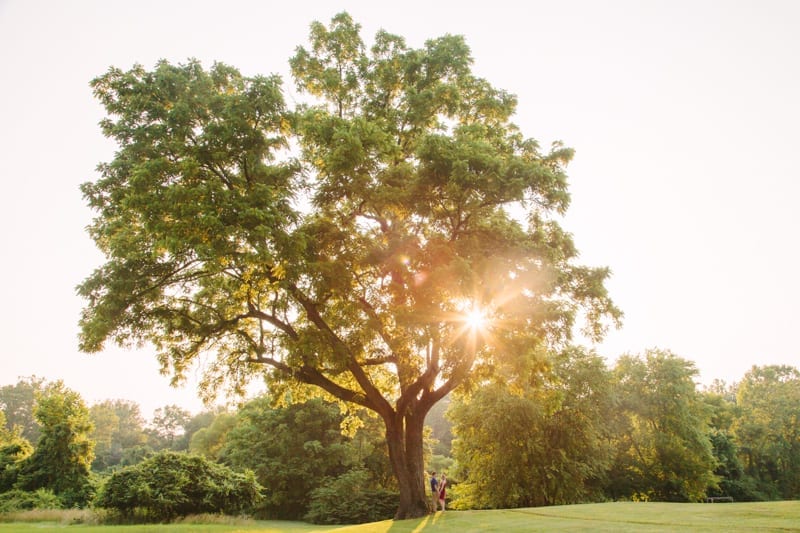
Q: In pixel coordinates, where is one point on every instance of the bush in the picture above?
(299, 447)
(170, 484)
(22, 500)
(745, 489)
(344, 500)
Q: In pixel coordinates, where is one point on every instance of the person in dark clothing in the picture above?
(434, 490)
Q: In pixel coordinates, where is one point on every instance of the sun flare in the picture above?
(475, 319)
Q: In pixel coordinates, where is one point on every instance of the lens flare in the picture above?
(475, 319)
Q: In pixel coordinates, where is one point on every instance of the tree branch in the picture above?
(374, 316)
(380, 405)
(312, 376)
(261, 315)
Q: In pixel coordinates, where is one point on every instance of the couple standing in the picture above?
(438, 490)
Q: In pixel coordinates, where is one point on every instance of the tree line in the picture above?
(640, 430)
(55, 451)
(576, 431)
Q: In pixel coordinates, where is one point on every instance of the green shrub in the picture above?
(299, 446)
(346, 500)
(170, 484)
(22, 500)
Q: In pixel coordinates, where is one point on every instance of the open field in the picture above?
(621, 516)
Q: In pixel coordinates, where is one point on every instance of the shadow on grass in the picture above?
(415, 525)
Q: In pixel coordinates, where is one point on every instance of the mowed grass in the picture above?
(621, 516)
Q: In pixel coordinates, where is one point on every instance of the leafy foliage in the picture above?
(22, 500)
(541, 445)
(13, 450)
(768, 431)
(664, 450)
(349, 499)
(733, 481)
(292, 451)
(63, 455)
(17, 402)
(12, 457)
(168, 427)
(172, 484)
(118, 429)
(209, 441)
(440, 427)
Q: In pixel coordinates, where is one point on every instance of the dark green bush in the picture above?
(23, 500)
(170, 484)
(348, 500)
(11, 456)
(299, 447)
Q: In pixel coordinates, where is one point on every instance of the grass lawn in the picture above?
(621, 516)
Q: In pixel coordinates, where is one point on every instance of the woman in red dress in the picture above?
(442, 491)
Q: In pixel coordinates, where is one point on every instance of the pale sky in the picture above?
(685, 115)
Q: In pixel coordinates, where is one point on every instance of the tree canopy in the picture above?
(389, 239)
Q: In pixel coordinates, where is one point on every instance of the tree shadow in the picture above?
(407, 526)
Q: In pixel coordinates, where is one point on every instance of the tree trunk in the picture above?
(404, 439)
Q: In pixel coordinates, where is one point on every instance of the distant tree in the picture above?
(354, 244)
(197, 422)
(544, 443)
(18, 402)
(168, 426)
(63, 455)
(171, 484)
(104, 424)
(732, 479)
(767, 428)
(118, 428)
(664, 449)
(721, 401)
(135, 455)
(8, 435)
(209, 441)
(371, 452)
(440, 427)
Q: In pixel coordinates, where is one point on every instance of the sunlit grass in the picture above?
(605, 517)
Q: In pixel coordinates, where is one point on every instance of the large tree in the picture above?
(388, 241)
